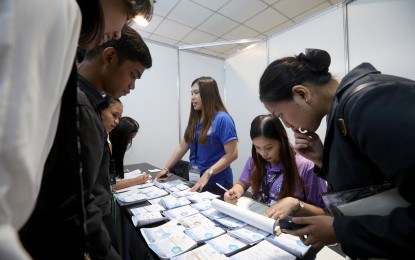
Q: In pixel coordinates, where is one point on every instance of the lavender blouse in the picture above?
(313, 185)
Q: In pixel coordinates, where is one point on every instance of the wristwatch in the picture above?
(210, 171)
(300, 205)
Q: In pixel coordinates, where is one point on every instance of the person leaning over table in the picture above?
(111, 69)
(278, 176)
(120, 133)
(211, 137)
(121, 138)
(379, 146)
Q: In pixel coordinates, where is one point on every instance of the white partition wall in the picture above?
(242, 77)
(324, 31)
(154, 105)
(193, 66)
(382, 32)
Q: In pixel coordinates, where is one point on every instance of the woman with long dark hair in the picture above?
(121, 138)
(277, 175)
(211, 137)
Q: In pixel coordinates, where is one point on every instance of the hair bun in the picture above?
(318, 60)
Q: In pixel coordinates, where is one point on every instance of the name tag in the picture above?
(194, 172)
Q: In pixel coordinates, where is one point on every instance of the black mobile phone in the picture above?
(165, 177)
(288, 224)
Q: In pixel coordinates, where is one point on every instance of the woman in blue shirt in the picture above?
(211, 137)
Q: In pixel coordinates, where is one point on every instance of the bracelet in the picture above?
(300, 206)
(167, 170)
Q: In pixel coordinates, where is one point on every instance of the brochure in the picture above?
(205, 252)
(264, 250)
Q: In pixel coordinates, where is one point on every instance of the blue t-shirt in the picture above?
(221, 132)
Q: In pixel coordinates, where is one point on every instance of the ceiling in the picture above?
(217, 27)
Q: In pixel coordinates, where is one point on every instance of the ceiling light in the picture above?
(140, 21)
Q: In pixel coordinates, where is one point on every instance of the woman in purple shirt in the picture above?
(277, 175)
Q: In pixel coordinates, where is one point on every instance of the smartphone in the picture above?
(288, 224)
(165, 177)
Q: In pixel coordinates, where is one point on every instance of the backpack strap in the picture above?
(340, 111)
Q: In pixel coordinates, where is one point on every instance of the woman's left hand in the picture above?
(201, 182)
(282, 208)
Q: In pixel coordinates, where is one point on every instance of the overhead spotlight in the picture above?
(140, 21)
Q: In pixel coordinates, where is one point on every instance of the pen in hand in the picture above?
(226, 190)
(223, 188)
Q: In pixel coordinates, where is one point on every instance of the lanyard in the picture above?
(195, 162)
(266, 186)
(196, 145)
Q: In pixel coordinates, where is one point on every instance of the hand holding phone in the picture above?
(287, 224)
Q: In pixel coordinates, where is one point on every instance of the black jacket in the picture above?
(95, 162)
(61, 221)
(380, 146)
(95, 152)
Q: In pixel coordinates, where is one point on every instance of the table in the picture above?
(132, 244)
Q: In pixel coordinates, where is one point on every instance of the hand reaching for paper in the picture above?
(201, 182)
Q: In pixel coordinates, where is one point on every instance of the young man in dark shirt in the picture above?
(111, 69)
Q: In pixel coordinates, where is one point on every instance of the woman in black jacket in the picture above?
(372, 145)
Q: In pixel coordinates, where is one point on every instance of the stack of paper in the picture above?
(139, 195)
(248, 234)
(205, 252)
(168, 240)
(171, 202)
(180, 212)
(264, 250)
(227, 245)
(289, 243)
(147, 215)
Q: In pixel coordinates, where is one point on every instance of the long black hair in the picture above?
(211, 104)
(121, 139)
(271, 127)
